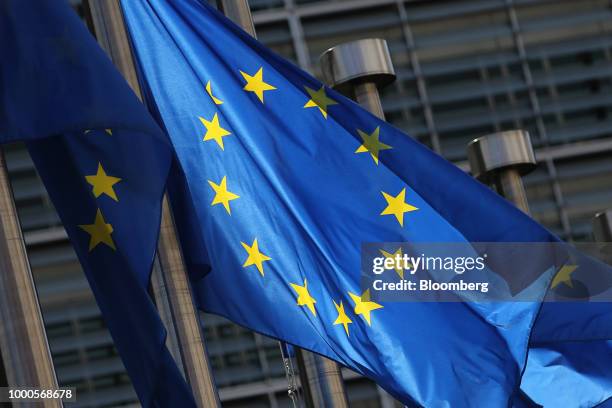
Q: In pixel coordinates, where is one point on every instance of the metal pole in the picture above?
(239, 12)
(366, 95)
(602, 231)
(510, 185)
(159, 290)
(500, 159)
(186, 322)
(321, 381)
(112, 36)
(602, 226)
(358, 69)
(23, 341)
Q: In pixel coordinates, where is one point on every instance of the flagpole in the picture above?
(602, 230)
(358, 69)
(25, 350)
(500, 159)
(602, 233)
(239, 12)
(173, 281)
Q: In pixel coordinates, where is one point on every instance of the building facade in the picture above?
(465, 68)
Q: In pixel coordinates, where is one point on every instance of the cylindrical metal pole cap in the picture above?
(602, 226)
(366, 60)
(492, 153)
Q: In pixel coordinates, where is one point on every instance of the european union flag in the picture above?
(280, 181)
(84, 129)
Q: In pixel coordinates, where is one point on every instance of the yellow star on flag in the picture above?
(398, 269)
(372, 144)
(100, 232)
(304, 298)
(564, 275)
(397, 206)
(222, 195)
(256, 84)
(364, 306)
(217, 101)
(103, 183)
(342, 318)
(214, 131)
(319, 99)
(255, 256)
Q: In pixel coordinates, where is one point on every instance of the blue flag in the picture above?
(104, 162)
(280, 181)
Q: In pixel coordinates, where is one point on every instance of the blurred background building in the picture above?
(465, 68)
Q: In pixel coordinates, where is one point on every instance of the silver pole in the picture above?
(112, 36)
(602, 230)
(510, 185)
(321, 381)
(500, 159)
(358, 69)
(23, 341)
(186, 322)
(239, 12)
(161, 297)
(366, 95)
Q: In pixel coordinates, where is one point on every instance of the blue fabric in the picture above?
(562, 374)
(570, 354)
(64, 97)
(304, 192)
